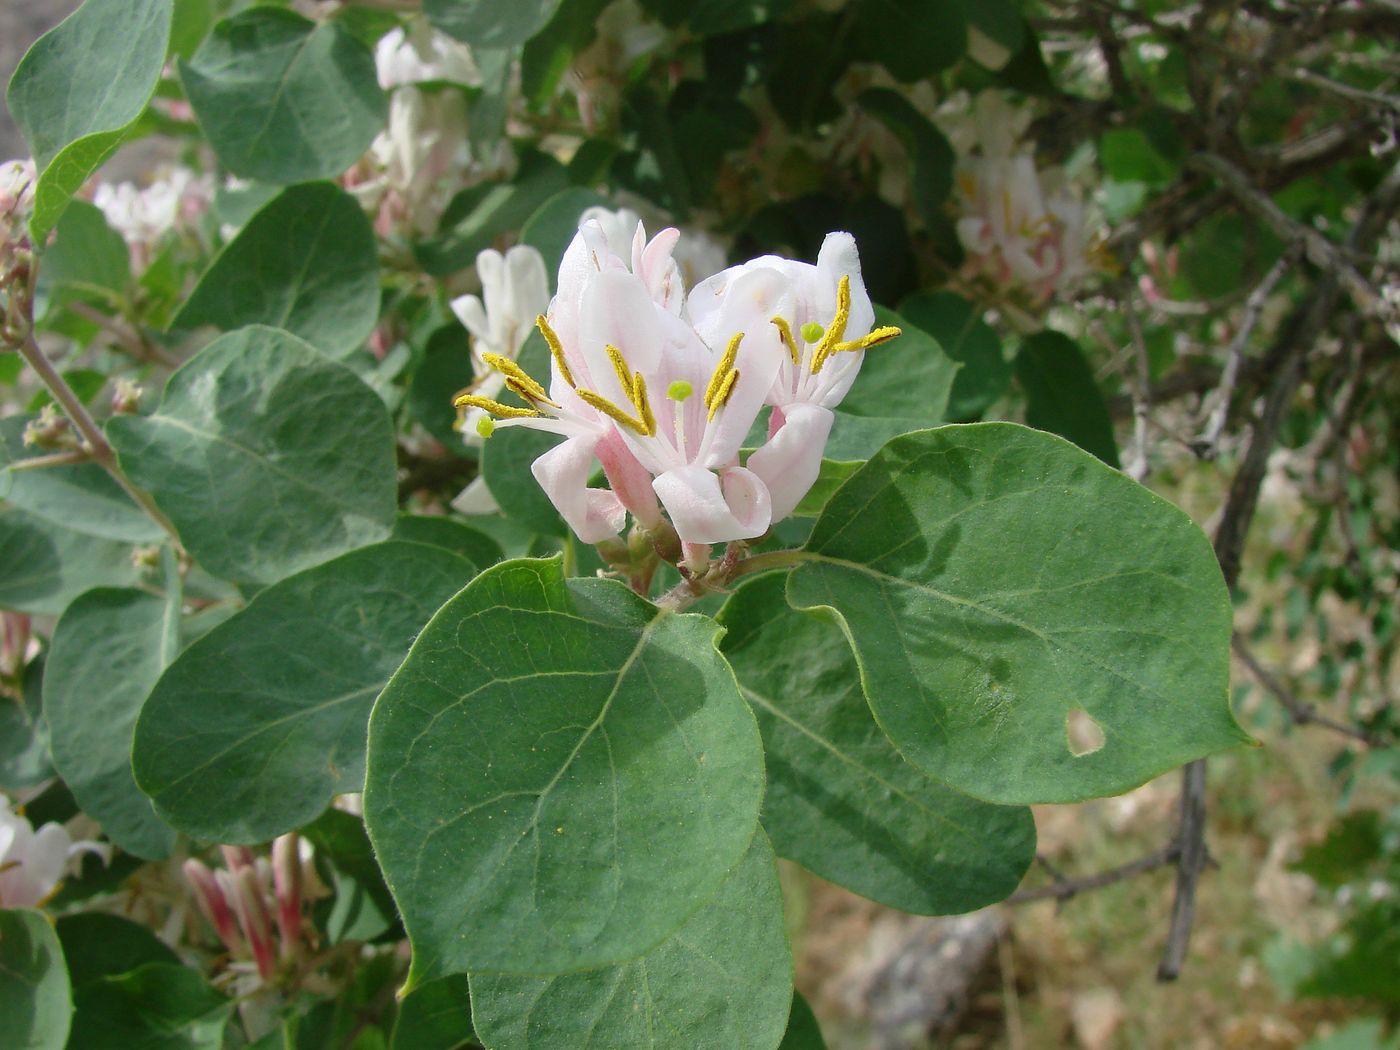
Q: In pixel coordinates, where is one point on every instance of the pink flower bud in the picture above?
(286, 880)
(212, 904)
(236, 857)
(251, 908)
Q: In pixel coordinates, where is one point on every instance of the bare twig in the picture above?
(1302, 713)
(96, 441)
(56, 459)
(1062, 889)
(1209, 443)
(129, 338)
(1191, 859)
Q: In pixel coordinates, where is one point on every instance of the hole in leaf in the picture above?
(1082, 733)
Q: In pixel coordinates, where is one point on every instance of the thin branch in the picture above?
(1209, 444)
(56, 459)
(1302, 713)
(130, 339)
(96, 441)
(1062, 889)
(1138, 467)
(1191, 859)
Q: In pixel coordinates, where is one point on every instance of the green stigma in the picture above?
(485, 426)
(811, 331)
(679, 390)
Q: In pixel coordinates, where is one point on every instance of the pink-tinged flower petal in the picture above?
(286, 881)
(253, 919)
(791, 460)
(594, 514)
(659, 272)
(705, 510)
(629, 480)
(212, 904)
(476, 498)
(618, 311)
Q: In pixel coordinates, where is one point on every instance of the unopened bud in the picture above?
(236, 857)
(209, 898)
(126, 398)
(286, 882)
(144, 559)
(49, 431)
(253, 919)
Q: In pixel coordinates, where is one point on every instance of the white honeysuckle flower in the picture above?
(33, 862)
(634, 385)
(144, 215)
(420, 54)
(1021, 227)
(17, 179)
(825, 329)
(424, 141)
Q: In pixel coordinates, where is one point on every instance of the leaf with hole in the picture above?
(974, 650)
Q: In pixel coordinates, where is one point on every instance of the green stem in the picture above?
(97, 446)
(724, 572)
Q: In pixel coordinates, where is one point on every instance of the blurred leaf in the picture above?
(82, 497)
(721, 981)
(976, 652)
(159, 1006)
(913, 39)
(489, 24)
(1062, 396)
(266, 455)
(449, 534)
(803, 1032)
(932, 156)
(44, 566)
(446, 367)
(88, 262)
(108, 649)
(100, 945)
(435, 1016)
(712, 17)
(362, 900)
(306, 263)
(282, 99)
(548, 55)
(553, 225)
(244, 755)
(34, 989)
(573, 810)
(841, 801)
(903, 385)
(74, 96)
(24, 735)
(958, 326)
(1352, 845)
(477, 216)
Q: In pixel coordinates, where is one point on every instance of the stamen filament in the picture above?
(556, 349)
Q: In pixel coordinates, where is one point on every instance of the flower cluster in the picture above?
(662, 389)
(1024, 229)
(32, 863)
(144, 215)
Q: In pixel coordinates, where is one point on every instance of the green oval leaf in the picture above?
(560, 774)
(932, 177)
(903, 386)
(34, 992)
(913, 39)
(24, 735)
(449, 534)
(75, 95)
(109, 648)
(723, 980)
(267, 456)
(803, 1032)
(282, 99)
(255, 726)
(488, 24)
(1062, 395)
(44, 566)
(306, 263)
(158, 1006)
(967, 339)
(841, 801)
(99, 945)
(979, 654)
(436, 1016)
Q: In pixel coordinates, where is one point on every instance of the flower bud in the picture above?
(212, 904)
(286, 881)
(126, 398)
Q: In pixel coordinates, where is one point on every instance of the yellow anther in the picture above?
(722, 394)
(836, 331)
(722, 370)
(865, 342)
(606, 407)
(785, 332)
(624, 374)
(494, 407)
(556, 349)
(639, 398)
(517, 378)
